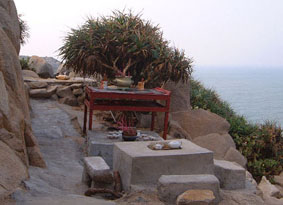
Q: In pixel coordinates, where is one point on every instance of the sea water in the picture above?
(256, 93)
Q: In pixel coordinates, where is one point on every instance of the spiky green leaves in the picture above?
(124, 44)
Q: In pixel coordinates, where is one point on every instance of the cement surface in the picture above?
(62, 148)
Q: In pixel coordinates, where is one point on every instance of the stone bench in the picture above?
(171, 186)
(230, 175)
(96, 171)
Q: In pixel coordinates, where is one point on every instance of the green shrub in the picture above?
(262, 145)
(24, 63)
(124, 44)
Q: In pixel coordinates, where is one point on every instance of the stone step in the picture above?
(96, 170)
(230, 175)
(139, 165)
(171, 186)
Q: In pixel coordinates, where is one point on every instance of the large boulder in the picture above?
(42, 68)
(14, 108)
(180, 96)
(200, 122)
(217, 143)
(29, 74)
(53, 62)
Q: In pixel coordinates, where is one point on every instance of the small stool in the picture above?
(96, 171)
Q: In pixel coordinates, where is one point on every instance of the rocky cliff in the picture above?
(18, 146)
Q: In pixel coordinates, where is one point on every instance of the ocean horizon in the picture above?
(254, 92)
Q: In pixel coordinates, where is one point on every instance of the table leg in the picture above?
(152, 120)
(90, 118)
(85, 119)
(165, 125)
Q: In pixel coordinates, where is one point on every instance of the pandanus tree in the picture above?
(124, 44)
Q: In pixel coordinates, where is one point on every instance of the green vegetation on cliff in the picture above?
(261, 144)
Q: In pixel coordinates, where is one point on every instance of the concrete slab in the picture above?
(100, 145)
(171, 186)
(230, 175)
(139, 165)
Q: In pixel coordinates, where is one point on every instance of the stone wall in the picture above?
(18, 146)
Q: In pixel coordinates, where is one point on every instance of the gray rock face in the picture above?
(217, 143)
(42, 68)
(230, 175)
(171, 186)
(14, 109)
(53, 62)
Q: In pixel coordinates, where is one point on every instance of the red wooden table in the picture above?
(127, 100)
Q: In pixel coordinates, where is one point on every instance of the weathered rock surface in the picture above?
(42, 92)
(42, 68)
(234, 155)
(29, 74)
(64, 91)
(77, 91)
(240, 198)
(268, 189)
(200, 122)
(176, 131)
(12, 170)
(196, 197)
(14, 109)
(36, 85)
(69, 100)
(217, 143)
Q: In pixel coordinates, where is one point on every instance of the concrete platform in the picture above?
(100, 145)
(139, 165)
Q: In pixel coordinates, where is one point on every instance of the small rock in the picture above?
(69, 100)
(267, 188)
(54, 97)
(64, 91)
(39, 93)
(29, 73)
(78, 91)
(194, 197)
(279, 179)
(76, 85)
(37, 84)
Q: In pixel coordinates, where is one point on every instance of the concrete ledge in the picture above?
(171, 186)
(230, 175)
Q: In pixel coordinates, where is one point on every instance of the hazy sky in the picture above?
(212, 32)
